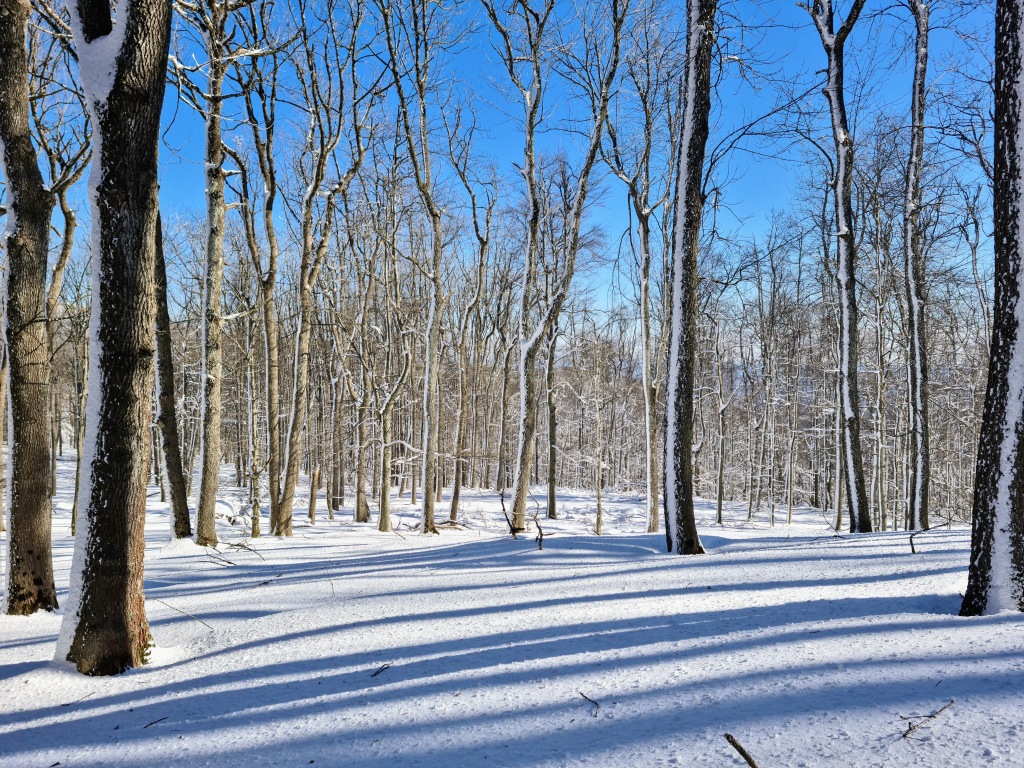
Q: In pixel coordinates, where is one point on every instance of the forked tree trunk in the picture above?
(104, 630)
(30, 584)
(833, 42)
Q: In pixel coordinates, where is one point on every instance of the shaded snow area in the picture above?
(348, 647)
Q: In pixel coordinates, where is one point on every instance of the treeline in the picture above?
(433, 252)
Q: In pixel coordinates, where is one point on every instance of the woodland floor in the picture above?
(347, 647)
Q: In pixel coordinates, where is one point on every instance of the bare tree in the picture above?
(105, 630)
(680, 524)
(30, 584)
(590, 65)
(913, 263)
(996, 576)
(833, 42)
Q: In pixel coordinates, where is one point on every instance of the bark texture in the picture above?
(167, 417)
(833, 41)
(996, 577)
(105, 630)
(30, 585)
(680, 525)
(913, 263)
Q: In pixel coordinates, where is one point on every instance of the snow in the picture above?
(346, 646)
(97, 65)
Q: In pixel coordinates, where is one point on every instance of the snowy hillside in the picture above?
(349, 647)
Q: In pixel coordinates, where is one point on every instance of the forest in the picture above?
(542, 383)
(705, 276)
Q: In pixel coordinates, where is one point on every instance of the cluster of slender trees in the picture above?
(370, 299)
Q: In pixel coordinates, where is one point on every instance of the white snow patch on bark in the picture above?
(97, 62)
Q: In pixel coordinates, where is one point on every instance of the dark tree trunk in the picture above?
(105, 630)
(680, 524)
(30, 575)
(168, 417)
(914, 269)
(996, 577)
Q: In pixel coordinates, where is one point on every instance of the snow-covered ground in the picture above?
(347, 647)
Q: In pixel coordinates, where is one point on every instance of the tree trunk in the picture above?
(30, 584)
(846, 256)
(104, 630)
(552, 424)
(168, 417)
(680, 524)
(996, 577)
(213, 355)
(914, 268)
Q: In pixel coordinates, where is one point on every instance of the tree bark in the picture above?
(833, 41)
(30, 584)
(105, 630)
(996, 576)
(168, 417)
(680, 523)
(914, 269)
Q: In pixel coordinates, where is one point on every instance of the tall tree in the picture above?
(30, 585)
(338, 102)
(167, 415)
(833, 42)
(913, 262)
(589, 65)
(680, 524)
(996, 577)
(104, 630)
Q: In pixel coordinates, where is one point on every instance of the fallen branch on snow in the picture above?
(739, 748)
(597, 706)
(923, 720)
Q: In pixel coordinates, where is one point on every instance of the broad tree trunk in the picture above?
(996, 577)
(30, 584)
(680, 524)
(104, 630)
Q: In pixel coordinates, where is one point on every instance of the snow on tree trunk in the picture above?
(833, 41)
(123, 69)
(680, 524)
(30, 584)
(212, 352)
(996, 577)
(914, 268)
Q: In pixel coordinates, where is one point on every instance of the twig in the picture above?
(925, 719)
(218, 559)
(382, 668)
(245, 546)
(183, 613)
(155, 722)
(739, 748)
(596, 705)
(913, 551)
(78, 700)
(540, 534)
